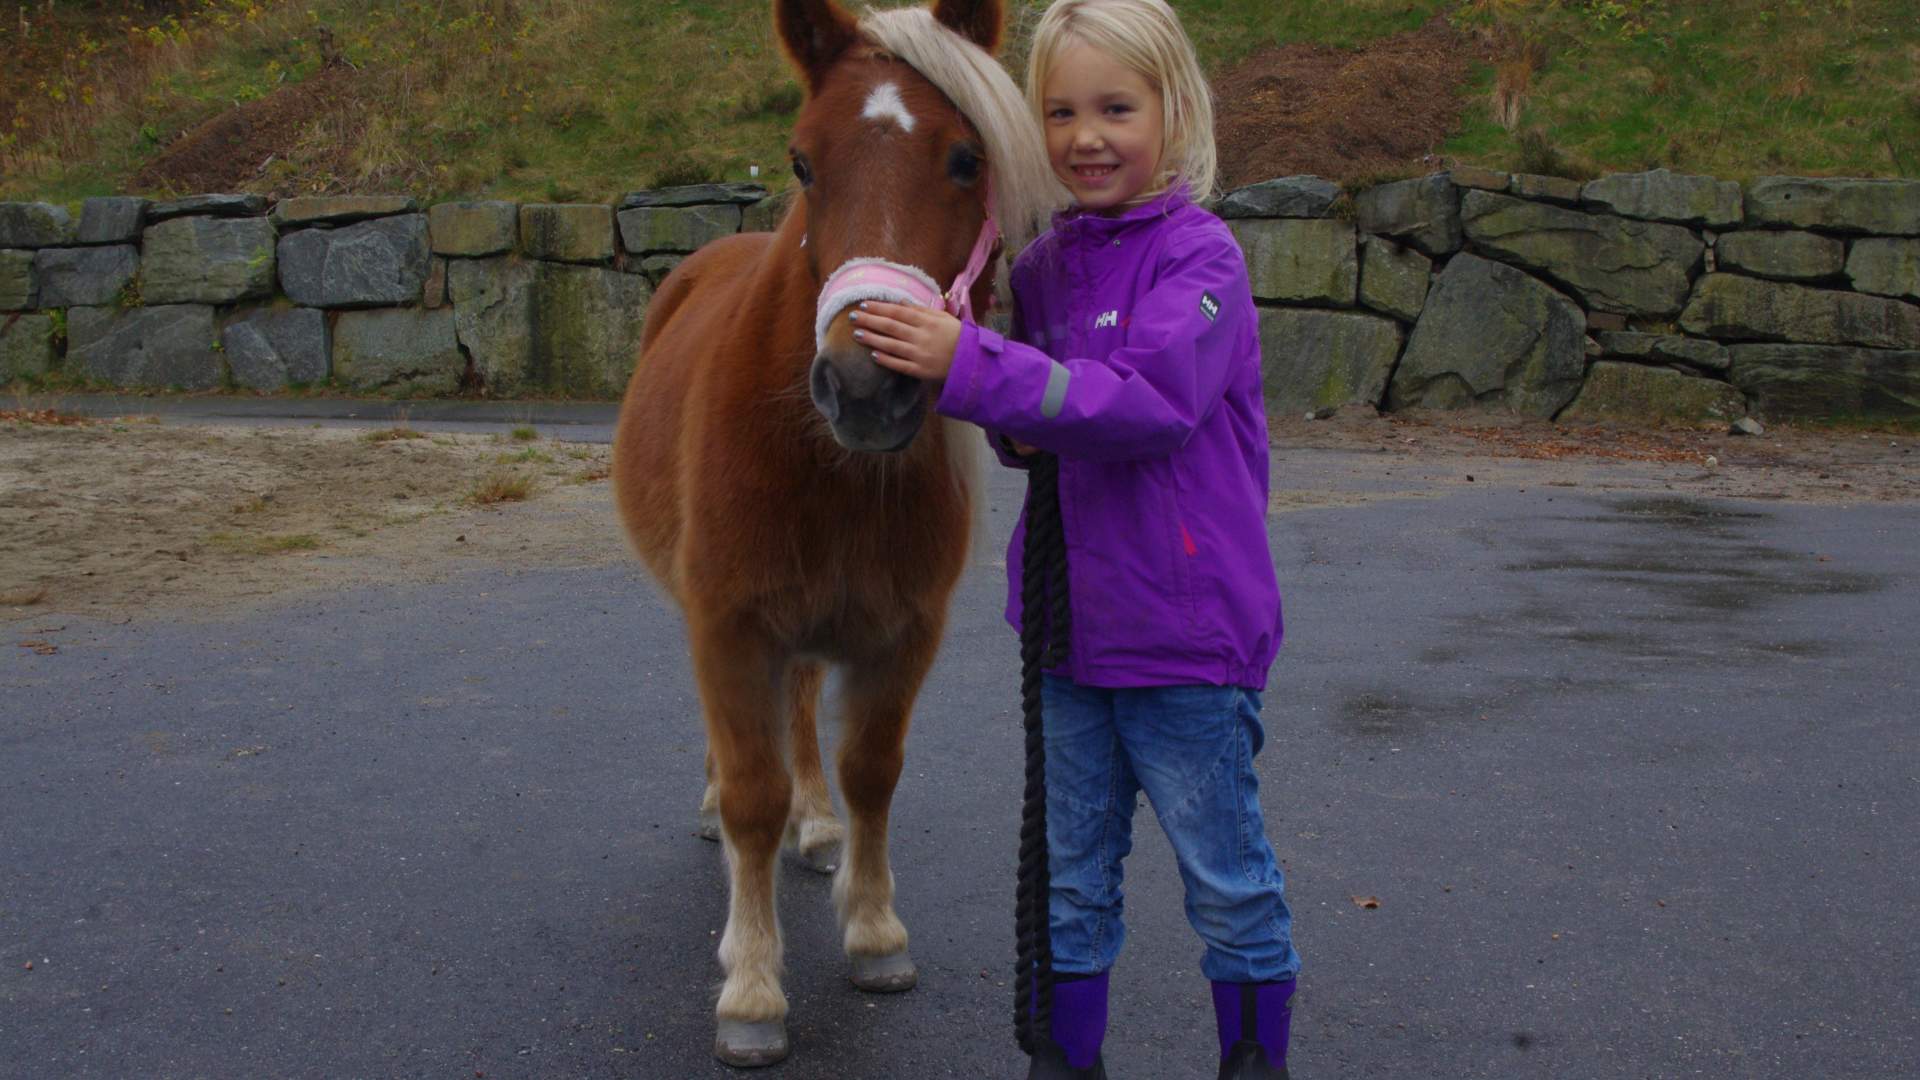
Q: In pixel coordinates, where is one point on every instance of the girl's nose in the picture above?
(1087, 138)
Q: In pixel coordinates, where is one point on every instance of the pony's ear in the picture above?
(978, 21)
(814, 33)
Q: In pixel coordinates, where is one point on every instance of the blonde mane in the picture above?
(1025, 191)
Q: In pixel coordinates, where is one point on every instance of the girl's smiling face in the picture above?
(1104, 127)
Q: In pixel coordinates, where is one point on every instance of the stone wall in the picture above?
(1642, 296)
(369, 293)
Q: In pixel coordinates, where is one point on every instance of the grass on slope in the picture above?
(1730, 88)
(585, 99)
(1224, 31)
(530, 99)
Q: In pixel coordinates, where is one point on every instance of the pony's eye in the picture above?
(963, 164)
(801, 171)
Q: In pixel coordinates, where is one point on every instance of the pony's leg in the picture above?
(879, 702)
(710, 804)
(813, 830)
(739, 685)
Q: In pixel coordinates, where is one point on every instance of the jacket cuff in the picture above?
(961, 394)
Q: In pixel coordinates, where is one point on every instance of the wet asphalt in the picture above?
(1635, 781)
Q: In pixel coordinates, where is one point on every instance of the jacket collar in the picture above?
(1074, 220)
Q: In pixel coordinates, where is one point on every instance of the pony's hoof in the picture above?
(884, 974)
(823, 859)
(818, 842)
(750, 1044)
(709, 827)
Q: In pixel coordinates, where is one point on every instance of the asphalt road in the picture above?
(1634, 780)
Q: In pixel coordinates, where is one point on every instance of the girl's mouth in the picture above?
(1094, 172)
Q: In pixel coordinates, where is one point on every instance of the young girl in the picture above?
(1135, 358)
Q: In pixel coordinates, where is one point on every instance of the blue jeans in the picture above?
(1191, 749)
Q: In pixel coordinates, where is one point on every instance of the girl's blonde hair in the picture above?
(1146, 36)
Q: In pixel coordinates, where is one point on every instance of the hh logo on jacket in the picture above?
(1106, 319)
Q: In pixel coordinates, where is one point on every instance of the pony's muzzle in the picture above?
(869, 407)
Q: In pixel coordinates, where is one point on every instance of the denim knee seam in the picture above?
(1222, 768)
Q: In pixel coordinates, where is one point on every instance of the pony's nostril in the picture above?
(826, 389)
(902, 394)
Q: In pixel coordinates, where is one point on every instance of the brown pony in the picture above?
(786, 490)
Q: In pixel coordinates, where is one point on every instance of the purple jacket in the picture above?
(1135, 356)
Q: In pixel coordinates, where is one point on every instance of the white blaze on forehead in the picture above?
(885, 104)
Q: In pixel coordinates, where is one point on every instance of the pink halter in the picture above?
(879, 279)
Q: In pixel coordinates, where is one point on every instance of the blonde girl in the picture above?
(1135, 358)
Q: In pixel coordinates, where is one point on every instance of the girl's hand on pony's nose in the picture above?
(911, 340)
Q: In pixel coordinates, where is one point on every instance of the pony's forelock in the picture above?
(1025, 190)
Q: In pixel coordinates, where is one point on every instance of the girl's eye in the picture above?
(1119, 110)
(1060, 114)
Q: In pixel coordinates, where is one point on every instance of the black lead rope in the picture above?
(1043, 644)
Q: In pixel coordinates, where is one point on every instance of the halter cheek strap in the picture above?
(960, 296)
(879, 279)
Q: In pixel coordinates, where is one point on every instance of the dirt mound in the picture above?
(1343, 114)
(234, 151)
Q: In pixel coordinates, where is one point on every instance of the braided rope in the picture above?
(1043, 644)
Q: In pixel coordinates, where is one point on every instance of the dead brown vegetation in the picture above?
(237, 150)
(1383, 109)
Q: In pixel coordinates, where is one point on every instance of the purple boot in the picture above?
(1254, 1019)
(1079, 1024)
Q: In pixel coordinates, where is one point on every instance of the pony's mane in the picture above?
(1025, 191)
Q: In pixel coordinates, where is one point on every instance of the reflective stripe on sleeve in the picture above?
(1056, 396)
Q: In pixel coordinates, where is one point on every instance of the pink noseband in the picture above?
(879, 279)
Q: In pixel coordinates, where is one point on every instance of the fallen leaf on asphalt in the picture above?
(1368, 902)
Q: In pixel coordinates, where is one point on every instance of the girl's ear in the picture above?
(978, 21)
(814, 34)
